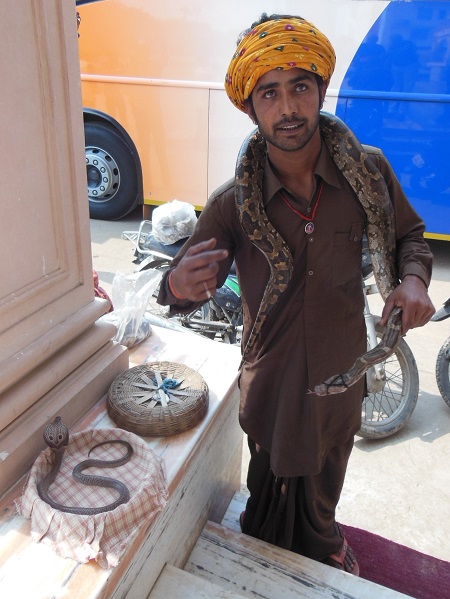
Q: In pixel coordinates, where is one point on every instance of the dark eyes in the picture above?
(300, 87)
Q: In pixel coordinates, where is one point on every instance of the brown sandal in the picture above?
(340, 559)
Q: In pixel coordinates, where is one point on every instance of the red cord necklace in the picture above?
(309, 227)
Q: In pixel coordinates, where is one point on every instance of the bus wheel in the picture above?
(111, 173)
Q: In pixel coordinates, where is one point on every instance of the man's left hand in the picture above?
(412, 297)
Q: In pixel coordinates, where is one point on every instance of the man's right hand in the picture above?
(195, 277)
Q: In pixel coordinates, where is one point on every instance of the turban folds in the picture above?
(277, 44)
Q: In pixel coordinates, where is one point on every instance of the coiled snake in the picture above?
(371, 191)
(56, 435)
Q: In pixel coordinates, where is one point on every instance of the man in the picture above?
(307, 324)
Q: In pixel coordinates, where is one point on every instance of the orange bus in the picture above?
(159, 127)
(158, 124)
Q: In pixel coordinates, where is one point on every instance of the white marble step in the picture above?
(253, 568)
(174, 583)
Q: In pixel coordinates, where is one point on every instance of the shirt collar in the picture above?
(325, 169)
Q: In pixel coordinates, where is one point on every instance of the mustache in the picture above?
(289, 121)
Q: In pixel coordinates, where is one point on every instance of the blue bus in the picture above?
(396, 95)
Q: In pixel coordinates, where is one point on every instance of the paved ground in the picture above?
(397, 487)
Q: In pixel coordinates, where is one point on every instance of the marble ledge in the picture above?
(218, 364)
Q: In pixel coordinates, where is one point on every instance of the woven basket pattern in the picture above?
(136, 407)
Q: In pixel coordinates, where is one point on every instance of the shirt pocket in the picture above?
(347, 255)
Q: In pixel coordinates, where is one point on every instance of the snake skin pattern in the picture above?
(371, 191)
(56, 435)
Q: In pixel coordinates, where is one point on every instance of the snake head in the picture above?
(56, 434)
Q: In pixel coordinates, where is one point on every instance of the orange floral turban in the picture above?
(277, 44)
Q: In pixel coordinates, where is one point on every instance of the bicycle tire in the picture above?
(443, 371)
(387, 411)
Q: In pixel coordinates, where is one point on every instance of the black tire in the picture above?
(389, 404)
(443, 371)
(111, 172)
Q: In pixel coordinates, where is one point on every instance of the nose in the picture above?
(288, 106)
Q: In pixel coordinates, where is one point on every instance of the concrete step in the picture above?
(253, 568)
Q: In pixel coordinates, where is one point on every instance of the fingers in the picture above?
(195, 277)
(203, 255)
(416, 316)
(203, 246)
(387, 309)
(412, 316)
(412, 297)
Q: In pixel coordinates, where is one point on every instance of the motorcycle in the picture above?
(392, 387)
(219, 318)
(443, 358)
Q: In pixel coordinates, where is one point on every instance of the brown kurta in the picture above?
(317, 328)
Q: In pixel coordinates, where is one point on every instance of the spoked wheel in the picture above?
(443, 371)
(393, 389)
(193, 321)
(231, 331)
(198, 321)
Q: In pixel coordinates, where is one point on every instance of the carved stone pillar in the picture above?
(55, 358)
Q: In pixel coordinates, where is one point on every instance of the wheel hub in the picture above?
(103, 175)
(376, 380)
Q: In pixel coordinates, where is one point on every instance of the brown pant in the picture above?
(296, 513)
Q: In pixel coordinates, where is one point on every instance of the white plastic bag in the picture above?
(130, 295)
(173, 221)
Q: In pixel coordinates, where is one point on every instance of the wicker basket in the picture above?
(158, 399)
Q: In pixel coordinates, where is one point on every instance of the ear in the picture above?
(248, 107)
(322, 91)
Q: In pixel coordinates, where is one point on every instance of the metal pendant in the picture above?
(309, 228)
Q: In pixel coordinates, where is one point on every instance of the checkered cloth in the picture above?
(102, 537)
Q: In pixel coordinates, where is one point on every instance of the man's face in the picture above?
(285, 106)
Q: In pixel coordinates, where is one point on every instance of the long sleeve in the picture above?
(211, 223)
(413, 253)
